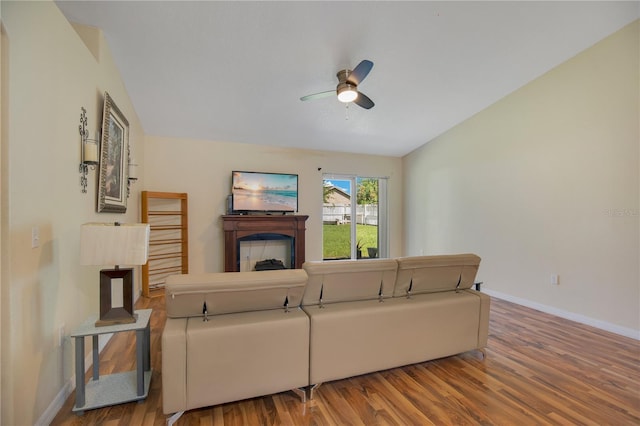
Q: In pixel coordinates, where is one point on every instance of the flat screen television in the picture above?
(259, 192)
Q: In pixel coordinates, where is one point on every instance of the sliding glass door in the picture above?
(354, 217)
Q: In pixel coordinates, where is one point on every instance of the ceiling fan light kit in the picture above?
(346, 92)
(347, 89)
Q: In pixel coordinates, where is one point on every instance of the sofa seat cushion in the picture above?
(353, 338)
(229, 292)
(243, 355)
(432, 274)
(349, 280)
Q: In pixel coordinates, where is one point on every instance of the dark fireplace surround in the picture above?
(239, 228)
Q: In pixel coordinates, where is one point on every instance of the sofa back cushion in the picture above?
(348, 280)
(431, 274)
(229, 292)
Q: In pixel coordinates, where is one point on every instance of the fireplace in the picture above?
(287, 231)
(262, 246)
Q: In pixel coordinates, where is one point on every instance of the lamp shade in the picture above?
(114, 244)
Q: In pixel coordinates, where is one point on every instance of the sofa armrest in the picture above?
(483, 329)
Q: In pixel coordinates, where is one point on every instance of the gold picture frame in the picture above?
(114, 153)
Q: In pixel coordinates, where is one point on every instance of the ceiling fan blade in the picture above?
(318, 95)
(360, 72)
(364, 101)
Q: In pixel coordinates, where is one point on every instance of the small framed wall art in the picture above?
(112, 186)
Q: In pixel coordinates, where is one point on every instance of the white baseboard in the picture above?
(61, 397)
(57, 403)
(603, 325)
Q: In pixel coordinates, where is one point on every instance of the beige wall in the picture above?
(48, 75)
(203, 170)
(544, 182)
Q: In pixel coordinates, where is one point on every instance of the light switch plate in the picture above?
(35, 237)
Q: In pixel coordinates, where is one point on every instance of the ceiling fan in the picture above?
(347, 89)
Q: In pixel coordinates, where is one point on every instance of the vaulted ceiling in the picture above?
(235, 71)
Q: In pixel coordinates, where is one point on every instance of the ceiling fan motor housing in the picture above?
(343, 75)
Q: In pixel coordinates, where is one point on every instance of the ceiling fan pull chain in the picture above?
(346, 112)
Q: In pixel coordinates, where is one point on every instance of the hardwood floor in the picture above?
(539, 369)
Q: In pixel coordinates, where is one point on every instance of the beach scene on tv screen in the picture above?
(265, 192)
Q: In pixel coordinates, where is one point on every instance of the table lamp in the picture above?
(115, 244)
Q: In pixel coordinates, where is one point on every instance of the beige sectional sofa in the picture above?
(272, 331)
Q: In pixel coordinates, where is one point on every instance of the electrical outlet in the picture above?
(61, 335)
(555, 279)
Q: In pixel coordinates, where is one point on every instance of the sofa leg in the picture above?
(312, 389)
(301, 393)
(174, 418)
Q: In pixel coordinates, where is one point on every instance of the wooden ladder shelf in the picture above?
(167, 213)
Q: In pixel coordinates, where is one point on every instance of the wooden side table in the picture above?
(114, 388)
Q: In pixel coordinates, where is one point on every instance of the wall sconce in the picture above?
(88, 151)
(132, 175)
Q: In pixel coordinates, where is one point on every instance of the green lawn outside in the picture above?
(336, 240)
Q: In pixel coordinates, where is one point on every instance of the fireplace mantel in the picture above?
(240, 226)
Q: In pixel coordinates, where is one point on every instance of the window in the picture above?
(354, 217)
